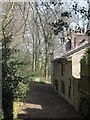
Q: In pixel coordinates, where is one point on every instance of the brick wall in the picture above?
(80, 37)
(72, 39)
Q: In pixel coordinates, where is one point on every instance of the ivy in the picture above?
(14, 84)
(86, 55)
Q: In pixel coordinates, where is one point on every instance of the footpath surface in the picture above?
(43, 102)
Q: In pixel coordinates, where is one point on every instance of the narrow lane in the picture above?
(43, 102)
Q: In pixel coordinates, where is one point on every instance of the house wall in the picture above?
(76, 63)
(56, 74)
(66, 77)
(77, 77)
(74, 99)
(85, 76)
(76, 95)
(72, 71)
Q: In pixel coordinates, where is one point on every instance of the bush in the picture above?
(14, 73)
(22, 90)
(35, 73)
(86, 55)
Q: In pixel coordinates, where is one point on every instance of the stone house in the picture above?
(65, 68)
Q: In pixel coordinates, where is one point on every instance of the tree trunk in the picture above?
(33, 62)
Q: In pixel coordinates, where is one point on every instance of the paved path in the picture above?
(43, 102)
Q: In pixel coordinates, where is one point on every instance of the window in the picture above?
(69, 89)
(56, 85)
(62, 69)
(68, 45)
(63, 87)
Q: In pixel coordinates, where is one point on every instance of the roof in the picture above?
(66, 56)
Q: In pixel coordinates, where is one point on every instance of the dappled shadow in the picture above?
(33, 113)
(43, 102)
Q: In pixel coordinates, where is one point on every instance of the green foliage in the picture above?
(15, 77)
(86, 55)
(65, 14)
(23, 71)
(83, 59)
(84, 12)
(21, 93)
(35, 73)
(58, 26)
(88, 33)
(8, 79)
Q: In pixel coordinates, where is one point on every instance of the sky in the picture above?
(69, 2)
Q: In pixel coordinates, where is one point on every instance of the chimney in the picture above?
(72, 39)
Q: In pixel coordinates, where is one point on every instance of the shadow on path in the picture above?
(43, 102)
